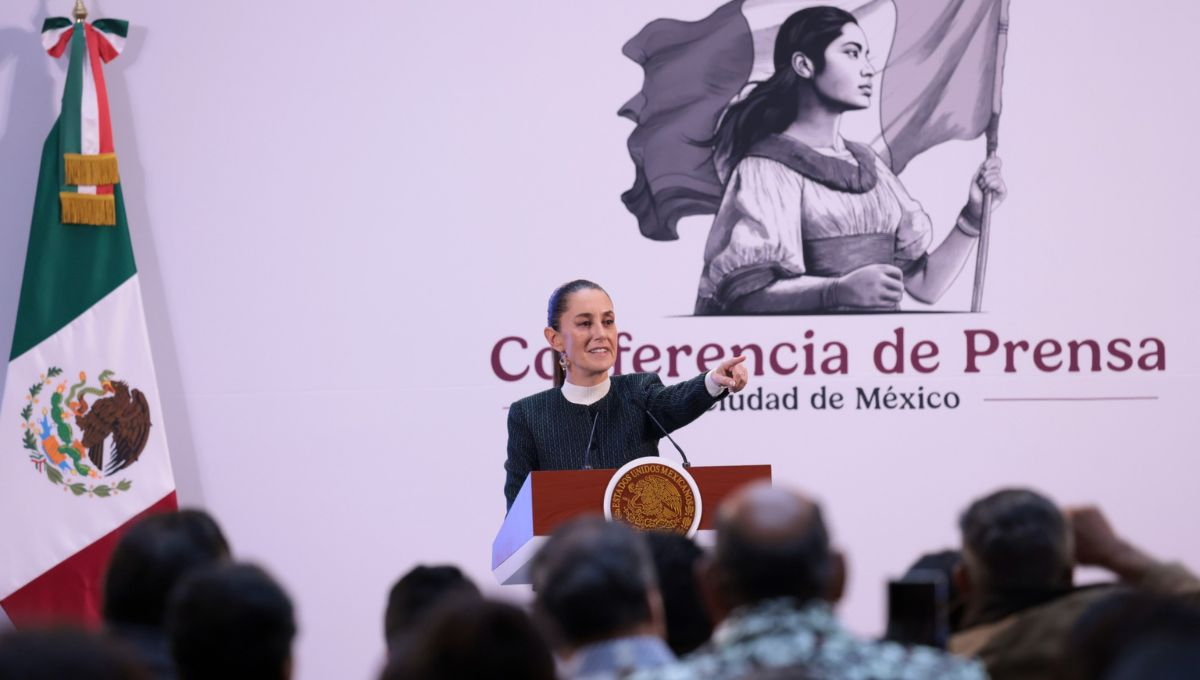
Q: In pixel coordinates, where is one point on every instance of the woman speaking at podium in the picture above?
(589, 419)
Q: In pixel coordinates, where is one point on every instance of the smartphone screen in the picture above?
(918, 609)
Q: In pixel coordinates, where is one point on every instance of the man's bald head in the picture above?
(772, 543)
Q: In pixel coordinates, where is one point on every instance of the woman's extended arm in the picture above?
(943, 265)
(874, 286)
(681, 403)
(784, 296)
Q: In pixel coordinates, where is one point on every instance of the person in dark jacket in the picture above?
(590, 419)
(1017, 579)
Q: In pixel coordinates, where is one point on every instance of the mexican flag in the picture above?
(82, 447)
(941, 67)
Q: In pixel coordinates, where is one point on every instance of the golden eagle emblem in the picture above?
(124, 416)
(78, 444)
(653, 496)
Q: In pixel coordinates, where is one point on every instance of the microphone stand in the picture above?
(587, 453)
(686, 463)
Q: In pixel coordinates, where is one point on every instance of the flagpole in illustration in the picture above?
(993, 133)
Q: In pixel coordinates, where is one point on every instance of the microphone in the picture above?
(646, 409)
(587, 453)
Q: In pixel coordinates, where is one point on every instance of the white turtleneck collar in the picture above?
(585, 396)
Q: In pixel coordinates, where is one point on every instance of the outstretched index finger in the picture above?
(730, 363)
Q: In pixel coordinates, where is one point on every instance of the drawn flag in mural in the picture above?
(82, 448)
(940, 70)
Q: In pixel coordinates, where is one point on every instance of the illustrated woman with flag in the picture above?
(810, 222)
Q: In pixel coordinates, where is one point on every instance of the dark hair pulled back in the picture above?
(559, 300)
(774, 103)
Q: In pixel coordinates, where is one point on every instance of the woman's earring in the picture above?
(562, 361)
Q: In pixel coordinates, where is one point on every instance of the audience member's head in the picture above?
(470, 637)
(1133, 636)
(675, 561)
(57, 654)
(152, 556)
(417, 592)
(594, 580)
(1014, 541)
(231, 621)
(772, 543)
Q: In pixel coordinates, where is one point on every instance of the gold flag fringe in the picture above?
(91, 169)
(92, 209)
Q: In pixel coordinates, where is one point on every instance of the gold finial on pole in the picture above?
(80, 12)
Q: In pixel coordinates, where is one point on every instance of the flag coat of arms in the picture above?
(941, 65)
(83, 451)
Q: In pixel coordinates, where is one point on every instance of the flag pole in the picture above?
(80, 12)
(993, 134)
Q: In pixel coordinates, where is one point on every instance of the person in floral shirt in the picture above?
(772, 582)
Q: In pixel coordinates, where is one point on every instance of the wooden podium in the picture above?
(550, 498)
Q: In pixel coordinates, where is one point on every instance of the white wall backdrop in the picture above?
(339, 208)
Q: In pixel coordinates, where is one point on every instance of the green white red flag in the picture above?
(82, 447)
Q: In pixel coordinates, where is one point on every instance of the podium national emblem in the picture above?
(654, 494)
(79, 444)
